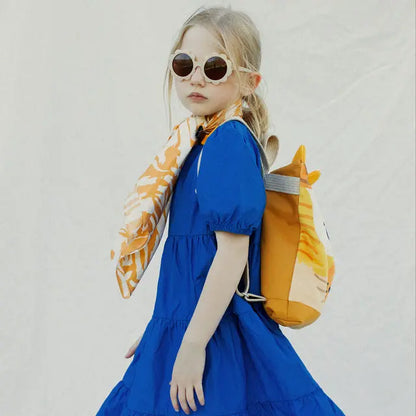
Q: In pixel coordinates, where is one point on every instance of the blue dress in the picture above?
(251, 369)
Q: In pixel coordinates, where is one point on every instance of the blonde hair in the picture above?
(239, 39)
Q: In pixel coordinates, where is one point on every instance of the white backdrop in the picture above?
(77, 96)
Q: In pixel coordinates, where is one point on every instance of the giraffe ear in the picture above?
(314, 176)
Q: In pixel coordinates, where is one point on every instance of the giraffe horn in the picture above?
(300, 154)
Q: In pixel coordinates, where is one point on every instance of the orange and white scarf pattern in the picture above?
(146, 207)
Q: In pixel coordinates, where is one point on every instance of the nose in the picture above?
(198, 77)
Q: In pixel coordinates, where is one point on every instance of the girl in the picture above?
(206, 349)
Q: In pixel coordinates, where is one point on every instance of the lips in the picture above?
(195, 94)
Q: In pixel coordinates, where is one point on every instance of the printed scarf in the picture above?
(146, 207)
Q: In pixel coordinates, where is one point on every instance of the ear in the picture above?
(253, 80)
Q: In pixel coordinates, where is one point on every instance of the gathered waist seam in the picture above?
(189, 235)
(169, 319)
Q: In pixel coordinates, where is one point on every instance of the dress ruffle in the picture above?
(316, 403)
(233, 353)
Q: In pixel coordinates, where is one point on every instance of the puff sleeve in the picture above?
(229, 186)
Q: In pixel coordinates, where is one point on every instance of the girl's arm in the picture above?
(219, 287)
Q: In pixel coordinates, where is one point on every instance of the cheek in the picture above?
(180, 90)
(231, 84)
(229, 90)
(178, 84)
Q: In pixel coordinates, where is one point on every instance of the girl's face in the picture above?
(200, 42)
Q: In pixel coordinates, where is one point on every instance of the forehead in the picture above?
(199, 41)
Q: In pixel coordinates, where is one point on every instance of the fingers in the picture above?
(200, 393)
(173, 393)
(186, 396)
(190, 397)
(133, 348)
(131, 351)
(182, 400)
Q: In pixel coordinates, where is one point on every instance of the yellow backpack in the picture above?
(297, 265)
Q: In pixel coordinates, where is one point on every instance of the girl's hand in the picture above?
(186, 375)
(133, 348)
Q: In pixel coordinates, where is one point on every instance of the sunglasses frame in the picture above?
(195, 65)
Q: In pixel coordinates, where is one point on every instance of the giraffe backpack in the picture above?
(297, 265)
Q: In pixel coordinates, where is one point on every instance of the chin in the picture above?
(202, 112)
(199, 112)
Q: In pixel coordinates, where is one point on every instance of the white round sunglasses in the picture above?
(216, 67)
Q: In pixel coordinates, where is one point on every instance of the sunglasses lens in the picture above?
(215, 68)
(182, 64)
